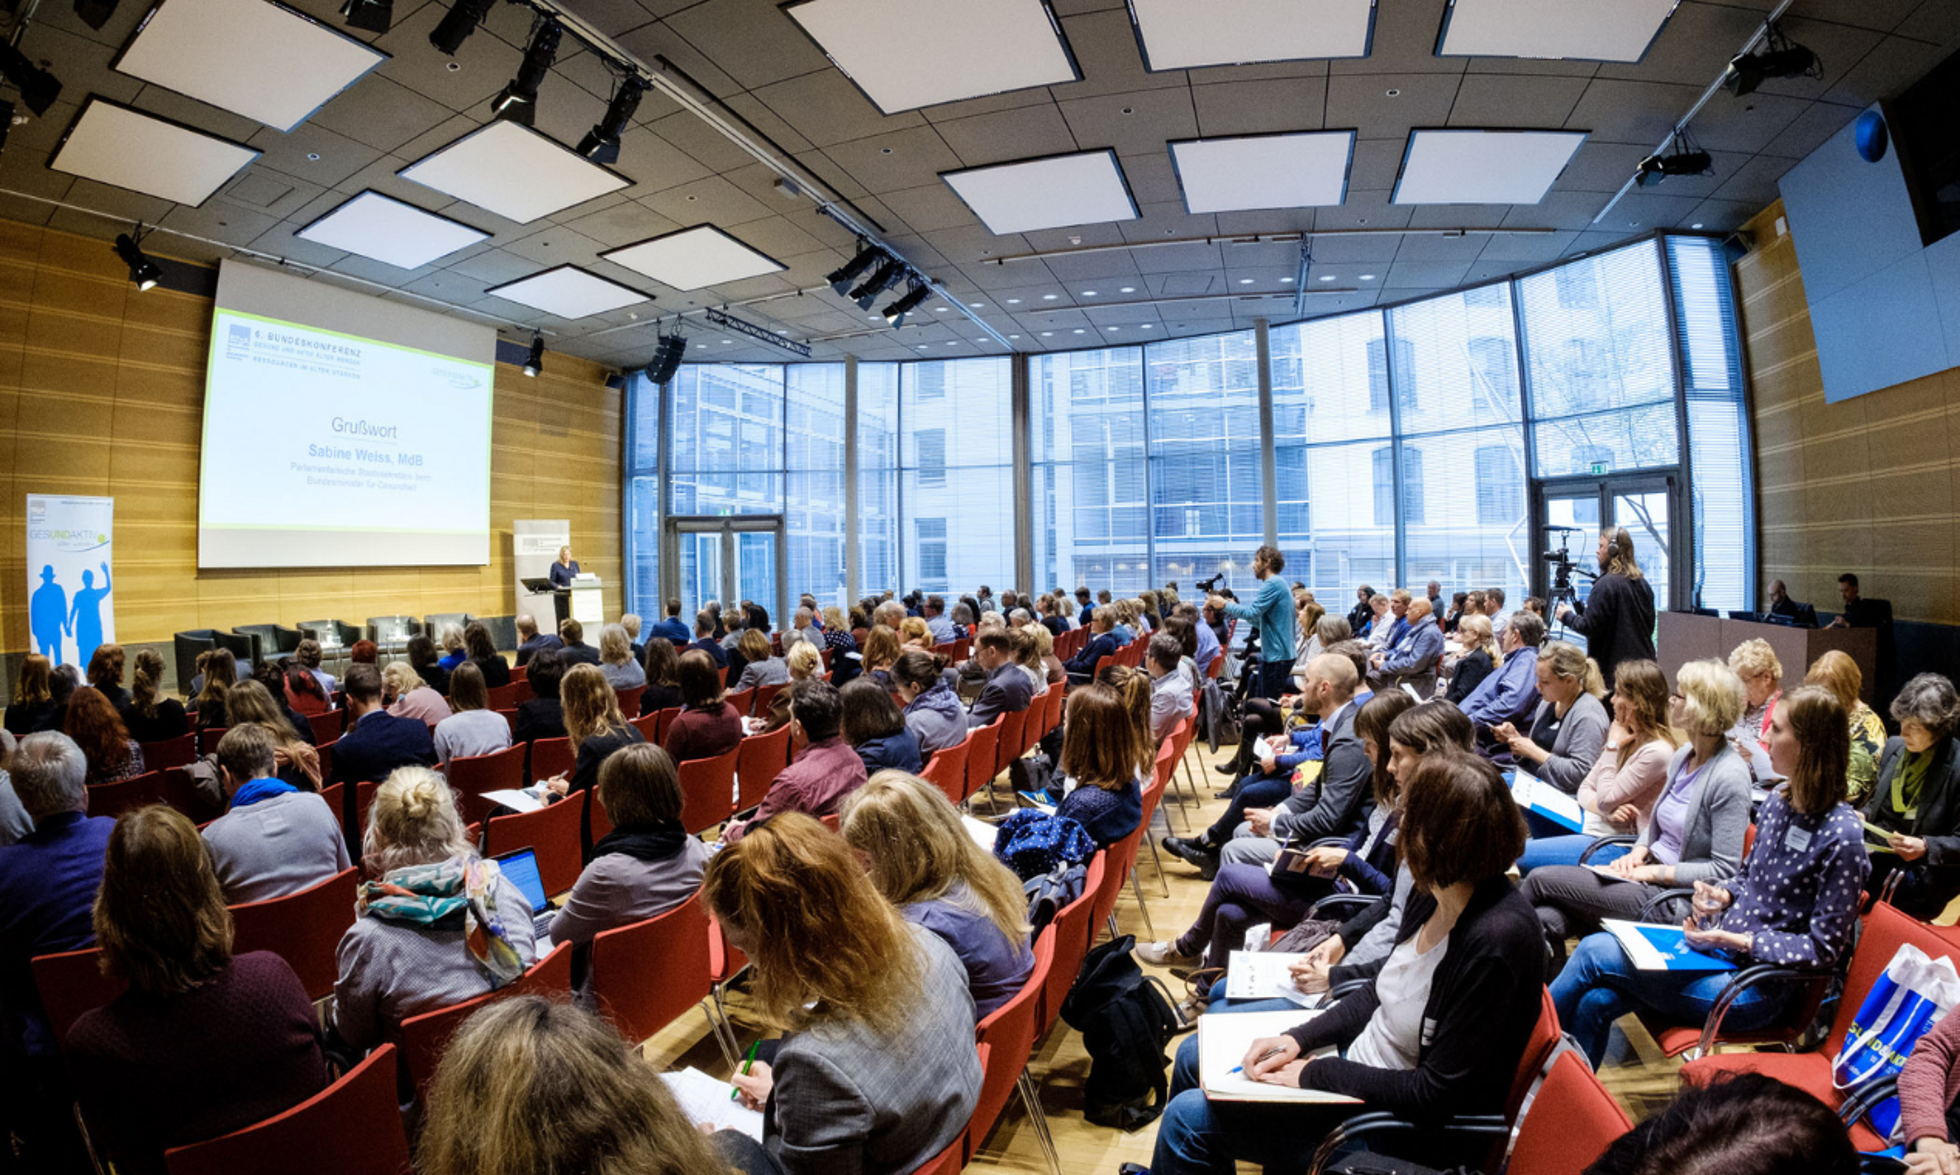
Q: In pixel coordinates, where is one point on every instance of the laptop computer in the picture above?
(521, 868)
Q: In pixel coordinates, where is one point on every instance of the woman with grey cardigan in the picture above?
(1697, 831)
(1569, 728)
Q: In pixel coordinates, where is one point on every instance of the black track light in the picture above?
(907, 302)
(534, 362)
(1655, 168)
(1780, 58)
(840, 279)
(519, 101)
(38, 87)
(878, 283)
(376, 16)
(601, 144)
(143, 271)
(458, 23)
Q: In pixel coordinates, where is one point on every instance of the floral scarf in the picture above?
(461, 890)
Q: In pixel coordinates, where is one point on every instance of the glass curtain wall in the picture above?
(1399, 440)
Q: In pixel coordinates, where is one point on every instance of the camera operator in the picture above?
(1271, 614)
(1617, 618)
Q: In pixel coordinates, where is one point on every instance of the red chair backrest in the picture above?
(1166, 761)
(425, 1037)
(1008, 747)
(327, 726)
(723, 959)
(742, 700)
(1073, 931)
(648, 725)
(648, 974)
(1545, 1036)
(1572, 1120)
(503, 697)
(596, 817)
(981, 743)
(708, 790)
(113, 799)
(336, 797)
(765, 694)
(71, 983)
(525, 691)
(1057, 698)
(520, 672)
(1008, 1033)
(174, 752)
(759, 759)
(551, 756)
(1885, 931)
(946, 770)
(552, 832)
(510, 717)
(1117, 859)
(207, 738)
(302, 928)
(472, 775)
(352, 1127)
(665, 719)
(721, 671)
(629, 699)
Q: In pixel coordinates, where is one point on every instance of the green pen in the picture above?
(747, 1062)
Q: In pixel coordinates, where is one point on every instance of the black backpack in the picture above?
(1126, 1019)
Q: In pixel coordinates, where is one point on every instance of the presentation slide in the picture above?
(331, 439)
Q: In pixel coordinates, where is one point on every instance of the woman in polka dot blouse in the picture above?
(1795, 902)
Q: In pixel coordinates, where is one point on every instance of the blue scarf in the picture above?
(259, 789)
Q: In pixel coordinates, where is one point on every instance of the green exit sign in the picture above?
(1598, 468)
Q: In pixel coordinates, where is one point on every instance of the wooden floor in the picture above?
(1635, 1072)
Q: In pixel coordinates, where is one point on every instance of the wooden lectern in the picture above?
(1687, 636)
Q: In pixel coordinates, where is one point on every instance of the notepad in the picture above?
(1222, 1044)
(1654, 947)
(1535, 795)
(706, 1102)
(983, 833)
(1264, 975)
(517, 799)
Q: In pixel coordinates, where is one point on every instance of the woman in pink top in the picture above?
(1928, 1085)
(1618, 794)
(408, 696)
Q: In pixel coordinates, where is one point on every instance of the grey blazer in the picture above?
(1718, 817)
(617, 890)
(848, 1102)
(1581, 736)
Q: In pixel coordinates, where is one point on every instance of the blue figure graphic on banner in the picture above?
(85, 621)
(47, 614)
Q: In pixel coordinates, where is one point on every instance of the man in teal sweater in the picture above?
(1271, 614)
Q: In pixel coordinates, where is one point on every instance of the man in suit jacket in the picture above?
(531, 642)
(574, 650)
(704, 640)
(376, 741)
(673, 628)
(1332, 807)
(1007, 689)
(1412, 656)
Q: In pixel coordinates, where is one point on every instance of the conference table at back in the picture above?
(1689, 636)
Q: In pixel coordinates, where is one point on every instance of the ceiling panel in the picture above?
(1021, 133)
(1365, 101)
(1249, 108)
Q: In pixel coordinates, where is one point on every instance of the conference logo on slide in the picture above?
(238, 342)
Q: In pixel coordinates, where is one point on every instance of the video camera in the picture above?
(1210, 586)
(1561, 562)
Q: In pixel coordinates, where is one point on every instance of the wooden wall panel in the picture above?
(1866, 485)
(102, 392)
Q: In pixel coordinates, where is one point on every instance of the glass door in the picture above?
(727, 559)
(1570, 513)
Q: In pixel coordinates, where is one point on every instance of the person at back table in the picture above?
(473, 729)
(204, 1042)
(704, 639)
(564, 569)
(543, 714)
(824, 769)
(707, 725)
(484, 655)
(531, 642)
(877, 1071)
(616, 659)
(376, 741)
(673, 627)
(647, 864)
(275, 839)
(1008, 690)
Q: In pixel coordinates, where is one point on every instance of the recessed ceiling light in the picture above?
(923, 346)
(115, 145)
(264, 61)
(1392, 93)
(940, 309)
(389, 231)
(1013, 336)
(1327, 277)
(1286, 281)
(1116, 328)
(1694, 226)
(935, 51)
(725, 342)
(1483, 166)
(1079, 330)
(1049, 297)
(1245, 281)
(1013, 301)
(1047, 334)
(1367, 277)
(976, 305)
(1146, 326)
(1062, 190)
(1129, 289)
(1177, 34)
(875, 317)
(694, 258)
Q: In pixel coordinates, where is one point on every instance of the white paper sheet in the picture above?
(1251, 975)
(706, 1102)
(1222, 1044)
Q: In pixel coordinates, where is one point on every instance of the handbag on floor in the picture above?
(1913, 994)
(1126, 1021)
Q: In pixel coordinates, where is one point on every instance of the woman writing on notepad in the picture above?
(1696, 830)
(1441, 1023)
(1794, 905)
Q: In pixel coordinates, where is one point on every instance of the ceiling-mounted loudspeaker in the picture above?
(666, 358)
(1871, 136)
(95, 13)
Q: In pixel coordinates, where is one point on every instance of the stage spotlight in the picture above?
(666, 358)
(1655, 168)
(908, 302)
(376, 16)
(601, 145)
(534, 362)
(1780, 58)
(38, 87)
(95, 13)
(519, 101)
(458, 23)
(143, 271)
(878, 283)
(840, 279)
